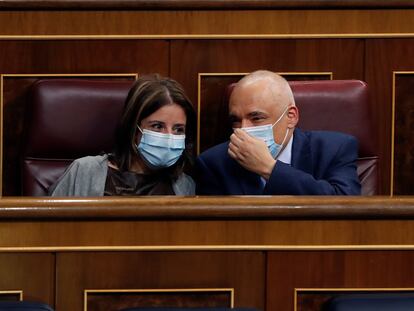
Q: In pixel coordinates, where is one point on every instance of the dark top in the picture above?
(130, 183)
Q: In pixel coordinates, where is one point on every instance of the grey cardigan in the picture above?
(86, 177)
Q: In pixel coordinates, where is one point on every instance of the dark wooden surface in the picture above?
(383, 57)
(404, 140)
(304, 23)
(32, 273)
(346, 270)
(200, 4)
(243, 271)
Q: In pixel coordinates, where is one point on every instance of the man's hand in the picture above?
(251, 153)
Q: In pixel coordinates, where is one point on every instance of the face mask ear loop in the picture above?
(284, 139)
(283, 142)
(139, 129)
(281, 116)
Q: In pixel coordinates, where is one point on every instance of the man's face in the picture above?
(257, 104)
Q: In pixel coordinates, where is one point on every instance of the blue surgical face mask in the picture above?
(265, 132)
(160, 150)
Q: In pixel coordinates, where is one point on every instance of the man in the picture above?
(267, 155)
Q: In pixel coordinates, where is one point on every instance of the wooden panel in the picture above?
(33, 273)
(199, 4)
(191, 57)
(207, 22)
(383, 56)
(84, 56)
(160, 270)
(403, 134)
(323, 270)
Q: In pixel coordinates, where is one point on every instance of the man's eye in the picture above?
(257, 118)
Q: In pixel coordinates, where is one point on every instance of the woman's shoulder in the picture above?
(84, 177)
(92, 161)
(184, 185)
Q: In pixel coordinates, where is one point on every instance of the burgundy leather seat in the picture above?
(68, 119)
(340, 105)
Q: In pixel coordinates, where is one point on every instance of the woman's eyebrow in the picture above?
(156, 121)
(179, 125)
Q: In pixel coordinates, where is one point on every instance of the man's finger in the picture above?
(242, 135)
(232, 154)
(235, 139)
(233, 147)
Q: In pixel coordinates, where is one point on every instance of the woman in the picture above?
(153, 144)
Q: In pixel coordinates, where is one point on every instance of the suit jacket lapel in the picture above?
(301, 153)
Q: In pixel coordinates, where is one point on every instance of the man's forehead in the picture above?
(249, 108)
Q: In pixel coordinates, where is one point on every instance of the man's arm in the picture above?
(206, 182)
(340, 177)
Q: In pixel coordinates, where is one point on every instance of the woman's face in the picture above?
(169, 119)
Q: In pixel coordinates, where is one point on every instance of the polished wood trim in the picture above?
(199, 4)
(185, 248)
(229, 207)
(257, 36)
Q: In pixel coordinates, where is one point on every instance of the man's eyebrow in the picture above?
(256, 113)
(233, 117)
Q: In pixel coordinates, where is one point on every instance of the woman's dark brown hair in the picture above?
(147, 95)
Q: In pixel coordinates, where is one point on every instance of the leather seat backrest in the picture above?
(68, 119)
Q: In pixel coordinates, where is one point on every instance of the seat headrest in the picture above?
(71, 118)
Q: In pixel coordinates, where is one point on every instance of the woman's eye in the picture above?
(180, 131)
(156, 126)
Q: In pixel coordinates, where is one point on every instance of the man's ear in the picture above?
(293, 116)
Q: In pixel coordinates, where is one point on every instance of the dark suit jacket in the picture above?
(323, 163)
